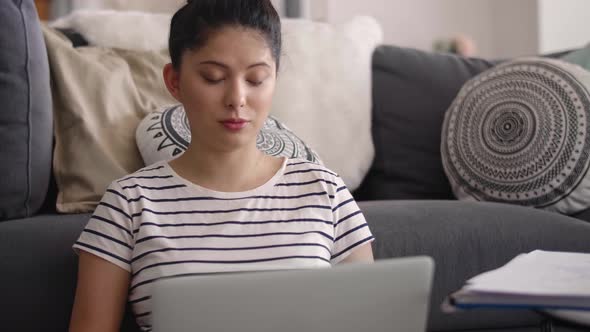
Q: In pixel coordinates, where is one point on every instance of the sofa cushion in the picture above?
(323, 90)
(39, 273)
(26, 122)
(520, 133)
(166, 134)
(100, 96)
(411, 91)
(130, 30)
(466, 239)
(580, 57)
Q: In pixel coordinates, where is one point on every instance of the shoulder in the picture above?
(151, 177)
(298, 166)
(141, 188)
(156, 169)
(159, 170)
(304, 171)
(303, 166)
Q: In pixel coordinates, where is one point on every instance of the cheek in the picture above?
(195, 92)
(262, 100)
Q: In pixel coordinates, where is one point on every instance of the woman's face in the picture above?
(226, 87)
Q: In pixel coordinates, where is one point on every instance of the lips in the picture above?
(234, 124)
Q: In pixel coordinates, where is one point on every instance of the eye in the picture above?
(255, 82)
(211, 80)
(212, 76)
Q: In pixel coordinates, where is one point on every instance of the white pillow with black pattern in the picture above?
(166, 134)
(520, 133)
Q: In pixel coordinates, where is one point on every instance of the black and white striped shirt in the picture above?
(154, 224)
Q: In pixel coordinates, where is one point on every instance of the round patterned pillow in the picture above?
(165, 134)
(519, 133)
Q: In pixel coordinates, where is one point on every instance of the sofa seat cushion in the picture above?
(466, 239)
(39, 271)
(26, 122)
(520, 133)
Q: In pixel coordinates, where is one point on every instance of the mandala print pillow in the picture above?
(165, 134)
(519, 133)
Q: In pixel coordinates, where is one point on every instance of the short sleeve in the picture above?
(109, 233)
(350, 227)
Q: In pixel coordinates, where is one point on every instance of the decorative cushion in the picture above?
(519, 133)
(412, 89)
(166, 134)
(155, 6)
(100, 95)
(26, 122)
(323, 90)
(142, 31)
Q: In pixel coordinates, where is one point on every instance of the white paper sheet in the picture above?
(538, 273)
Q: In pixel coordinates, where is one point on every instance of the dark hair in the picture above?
(193, 23)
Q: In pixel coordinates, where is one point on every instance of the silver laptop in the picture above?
(389, 295)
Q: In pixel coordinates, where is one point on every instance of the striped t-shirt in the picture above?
(154, 223)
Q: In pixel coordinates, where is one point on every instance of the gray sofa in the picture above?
(405, 197)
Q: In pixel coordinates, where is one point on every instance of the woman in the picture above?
(223, 205)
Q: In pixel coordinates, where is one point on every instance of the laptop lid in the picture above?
(388, 295)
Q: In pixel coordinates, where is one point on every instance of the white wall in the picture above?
(278, 4)
(563, 24)
(418, 23)
(501, 28)
(514, 28)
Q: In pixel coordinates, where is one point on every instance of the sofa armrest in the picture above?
(465, 239)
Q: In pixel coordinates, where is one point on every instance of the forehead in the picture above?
(234, 46)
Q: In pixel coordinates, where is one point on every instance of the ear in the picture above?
(172, 80)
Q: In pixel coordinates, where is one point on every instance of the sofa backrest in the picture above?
(26, 119)
(411, 90)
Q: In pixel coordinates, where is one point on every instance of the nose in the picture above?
(235, 96)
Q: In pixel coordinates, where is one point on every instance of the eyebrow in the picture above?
(219, 64)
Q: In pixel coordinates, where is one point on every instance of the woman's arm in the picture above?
(101, 295)
(361, 254)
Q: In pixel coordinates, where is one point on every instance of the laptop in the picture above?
(388, 295)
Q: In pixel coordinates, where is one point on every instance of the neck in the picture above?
(229, 171)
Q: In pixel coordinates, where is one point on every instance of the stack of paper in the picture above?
(537, 280)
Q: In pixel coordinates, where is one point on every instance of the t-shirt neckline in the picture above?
(230, 194)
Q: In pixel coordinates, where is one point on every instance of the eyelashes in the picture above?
(215, 81)
(255, 83)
